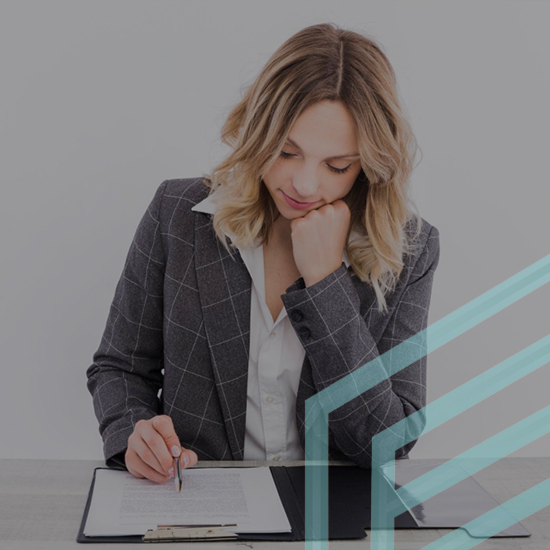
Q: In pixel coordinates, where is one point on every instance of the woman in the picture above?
(295, 262)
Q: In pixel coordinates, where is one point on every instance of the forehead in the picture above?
(325, 128)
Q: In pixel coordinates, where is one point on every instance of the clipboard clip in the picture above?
(175, 533)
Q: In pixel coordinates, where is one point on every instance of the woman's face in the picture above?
(308, 170)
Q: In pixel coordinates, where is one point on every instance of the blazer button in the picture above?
(304, 333)
(297, 315)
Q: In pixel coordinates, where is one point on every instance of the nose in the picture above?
(306, 186)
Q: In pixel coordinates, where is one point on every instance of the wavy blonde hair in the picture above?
(323, 62)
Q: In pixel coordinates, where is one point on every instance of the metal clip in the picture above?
(175, 533)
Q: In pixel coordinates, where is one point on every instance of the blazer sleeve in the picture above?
(125, 376)
(338, 341)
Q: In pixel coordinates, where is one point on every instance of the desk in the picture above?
(42, 501)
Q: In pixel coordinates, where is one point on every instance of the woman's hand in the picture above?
(318, 240)
(151, 448)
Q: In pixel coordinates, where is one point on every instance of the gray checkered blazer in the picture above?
(176, 340)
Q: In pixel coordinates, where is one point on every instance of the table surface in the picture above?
(42, 502)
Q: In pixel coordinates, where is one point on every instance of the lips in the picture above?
(300, 202)
(297, 204)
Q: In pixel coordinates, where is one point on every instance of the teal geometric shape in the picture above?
(382, 367)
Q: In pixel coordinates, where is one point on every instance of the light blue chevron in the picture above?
(385, 443)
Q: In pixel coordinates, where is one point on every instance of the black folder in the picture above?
(349, 506)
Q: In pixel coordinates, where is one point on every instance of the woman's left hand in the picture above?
(318, 240)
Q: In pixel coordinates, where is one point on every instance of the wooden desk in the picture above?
(42, 501)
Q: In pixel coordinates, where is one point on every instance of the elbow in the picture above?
(91, 377)
(414, 425)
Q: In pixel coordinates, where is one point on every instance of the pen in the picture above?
(177, 471)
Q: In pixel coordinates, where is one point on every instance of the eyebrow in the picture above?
(336, 157)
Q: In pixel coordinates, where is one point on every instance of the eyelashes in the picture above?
(285, 155)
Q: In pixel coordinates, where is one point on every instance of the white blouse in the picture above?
(274, 367)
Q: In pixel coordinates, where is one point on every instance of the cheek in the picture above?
(272, 175)
(344, 187)
(275, 177)
(278, 170)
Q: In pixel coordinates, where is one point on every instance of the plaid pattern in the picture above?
(180, 323)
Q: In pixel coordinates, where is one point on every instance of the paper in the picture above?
(125, 505)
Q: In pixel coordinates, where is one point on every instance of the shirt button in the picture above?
(272, 335)
(269, 399)
(304, 333)
(277, 457)
(297, 315)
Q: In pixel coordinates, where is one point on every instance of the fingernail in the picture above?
(186, 460)
(171, 472)
(176, 450)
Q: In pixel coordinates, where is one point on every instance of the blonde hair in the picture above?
(323, 62)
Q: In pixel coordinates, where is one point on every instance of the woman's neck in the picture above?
(281, 232)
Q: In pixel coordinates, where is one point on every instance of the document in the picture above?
(125, 505)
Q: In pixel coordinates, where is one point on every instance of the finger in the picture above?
(342, 207)
(150, 446)
(130, 461)
(137, 467)
(189, 458)
(165, 427)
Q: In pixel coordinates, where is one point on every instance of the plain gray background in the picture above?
(103, 100)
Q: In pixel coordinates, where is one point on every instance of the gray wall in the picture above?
(103, 100)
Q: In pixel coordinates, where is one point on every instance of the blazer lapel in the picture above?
(224, 289)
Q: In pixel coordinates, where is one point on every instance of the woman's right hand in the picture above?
(151, 448)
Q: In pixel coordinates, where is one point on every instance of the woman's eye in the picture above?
(339, 170)
(286, 155)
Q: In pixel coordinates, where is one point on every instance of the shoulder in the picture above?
(423, 248)
(174, 199)
(426, 232)
(189, 191)
(170, 210)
